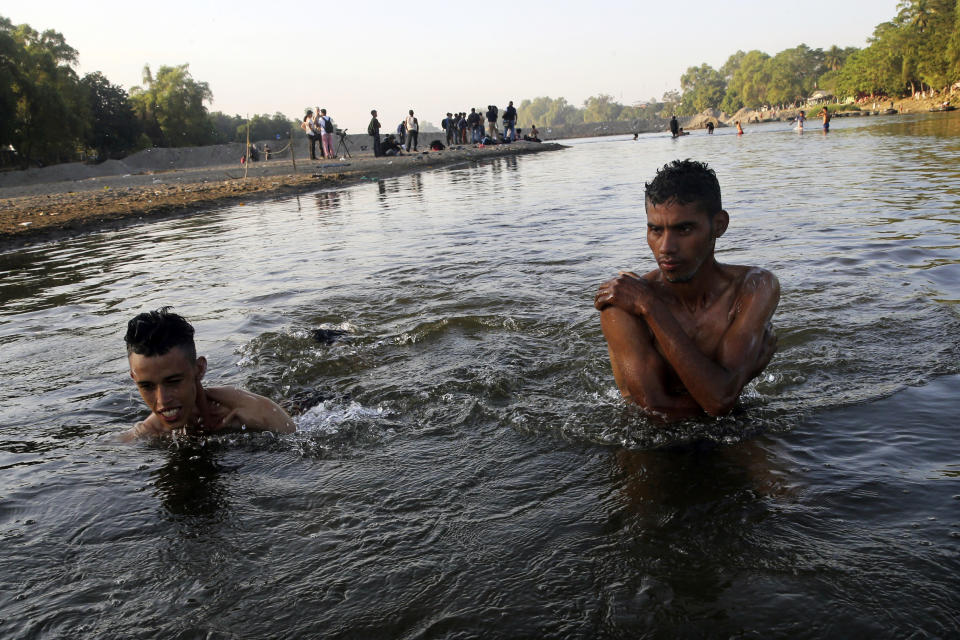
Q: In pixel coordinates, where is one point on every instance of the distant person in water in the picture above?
(710, 128)
(825, 115)
(674, 126)
(686, 337)
(165, 367)
(739, 129)
(800, 120)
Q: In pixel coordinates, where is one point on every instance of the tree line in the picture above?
(49, 114)
(918, 49)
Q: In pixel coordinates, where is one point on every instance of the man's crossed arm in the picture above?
(635, 323)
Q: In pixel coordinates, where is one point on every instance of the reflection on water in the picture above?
(188, 482)
(463, 459)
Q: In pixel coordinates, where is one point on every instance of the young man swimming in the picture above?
(164, 365)
(685, 338)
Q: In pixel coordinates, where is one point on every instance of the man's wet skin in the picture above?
(684, 339)
(171, 386)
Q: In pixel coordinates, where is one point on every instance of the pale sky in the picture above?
(434, 57)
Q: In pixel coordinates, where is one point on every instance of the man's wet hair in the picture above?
(154, 333)
(684, 182)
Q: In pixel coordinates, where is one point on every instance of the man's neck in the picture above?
(701, 290)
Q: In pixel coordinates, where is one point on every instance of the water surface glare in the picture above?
(463, 465)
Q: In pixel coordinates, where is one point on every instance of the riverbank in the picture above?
(43, 211)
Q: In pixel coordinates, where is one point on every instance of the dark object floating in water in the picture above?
(327, 336)
(304, 399)
(948, 107)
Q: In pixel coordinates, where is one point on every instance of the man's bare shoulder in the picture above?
(752, 280)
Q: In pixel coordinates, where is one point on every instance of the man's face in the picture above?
(169, 384)
(682, 237)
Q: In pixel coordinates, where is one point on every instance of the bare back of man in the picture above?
(685, 338)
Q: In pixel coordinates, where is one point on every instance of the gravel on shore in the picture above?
(52, 210)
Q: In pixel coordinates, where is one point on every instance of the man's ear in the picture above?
(201, 367)
(721, 220)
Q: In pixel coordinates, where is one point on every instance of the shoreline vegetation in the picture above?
(44, 211)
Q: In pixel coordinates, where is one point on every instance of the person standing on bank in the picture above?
(475, 122)
(325, 125)
(318, 131)
(374, 130)
(492, 114)
(413, 131)
(510, 122)
(309, 128)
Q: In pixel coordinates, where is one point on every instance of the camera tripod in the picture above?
(343, 145)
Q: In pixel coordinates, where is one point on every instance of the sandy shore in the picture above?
(43, 211)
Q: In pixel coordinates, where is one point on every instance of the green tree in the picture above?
(171, 107)
(547, 112)
(703, 88)
(10, 81)
(43, 110)
(225, 127)
(264, 127)
(601, 108)
(833, 58)
(113, 129)
(749, 83)
(793, 73)
(732, 64)
(953, 45)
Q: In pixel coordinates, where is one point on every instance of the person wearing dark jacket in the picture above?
(475, 122)
(374, 130)
(492, 113)
(510, 122)
(447, 124)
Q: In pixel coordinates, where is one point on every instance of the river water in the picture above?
(463, 465)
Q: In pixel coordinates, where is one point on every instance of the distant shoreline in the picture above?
(50, 211)
(747, 116)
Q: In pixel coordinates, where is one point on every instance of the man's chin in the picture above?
(170, 422)
(677, 278)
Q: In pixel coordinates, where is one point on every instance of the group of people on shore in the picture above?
(459, 128)
(468, 128)
(319, 127)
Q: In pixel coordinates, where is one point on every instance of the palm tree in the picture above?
(833, 58)
(916, 13)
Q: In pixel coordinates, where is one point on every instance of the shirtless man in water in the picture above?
(685, 338)
(164, 365)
